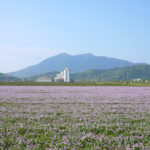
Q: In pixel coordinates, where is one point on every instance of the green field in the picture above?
(75, 84)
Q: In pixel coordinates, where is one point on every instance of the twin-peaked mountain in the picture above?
(77, 63)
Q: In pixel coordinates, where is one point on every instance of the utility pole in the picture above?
(102, 77)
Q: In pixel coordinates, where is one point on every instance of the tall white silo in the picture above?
(66, 75)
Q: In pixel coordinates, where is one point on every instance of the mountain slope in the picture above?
(141, 71)
(125, 73)
(76, 63)
(49, 74)
(5, 77)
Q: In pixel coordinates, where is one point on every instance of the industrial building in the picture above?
(63, 76)
(43, 79)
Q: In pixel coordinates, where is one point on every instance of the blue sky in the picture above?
(32, 30)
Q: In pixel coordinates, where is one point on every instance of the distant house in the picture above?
(137, 80)
(63, 76)
(43, 79)
(59, 77)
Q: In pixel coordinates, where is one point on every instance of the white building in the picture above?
(66, 75)
(137, 80)
(59, 77)
(63, 76)
(43, 79)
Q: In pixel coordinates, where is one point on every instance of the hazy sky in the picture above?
(32, 30)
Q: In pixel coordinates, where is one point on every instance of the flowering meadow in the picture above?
(74, 117)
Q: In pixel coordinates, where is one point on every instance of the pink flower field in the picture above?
(74, 117)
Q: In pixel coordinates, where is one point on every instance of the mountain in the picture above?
(141, 71)
(76, 63)
(5, 77)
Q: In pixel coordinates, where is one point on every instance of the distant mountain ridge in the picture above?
(77, 63)
(5, 77)
(140, 71)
